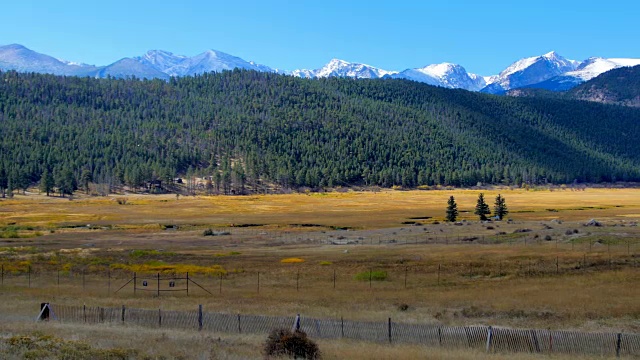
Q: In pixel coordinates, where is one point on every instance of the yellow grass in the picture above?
(504, 273)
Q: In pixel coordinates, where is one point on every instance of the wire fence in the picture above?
(486, 338)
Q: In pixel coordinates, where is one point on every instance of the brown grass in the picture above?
(502, 276)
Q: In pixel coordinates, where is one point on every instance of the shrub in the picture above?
(292, 261)
(207, 232)
(376, 275)
(324, 263)
(548, 238)
(294, 344)
(122, 201)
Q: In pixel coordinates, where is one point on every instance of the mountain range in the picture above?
(550, 71)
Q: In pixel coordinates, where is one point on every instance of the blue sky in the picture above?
(484, 36)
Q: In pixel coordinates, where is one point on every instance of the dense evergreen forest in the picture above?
(249, 131)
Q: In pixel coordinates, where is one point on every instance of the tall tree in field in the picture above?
(65, 182)
(85, 178)
(3, 180)
(46, 182)
(482, 209)
(500, 208)
(452, 209)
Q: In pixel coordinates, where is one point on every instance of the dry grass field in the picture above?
(312, 254)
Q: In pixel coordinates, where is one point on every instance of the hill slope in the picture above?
(246, 127)
(619, 86)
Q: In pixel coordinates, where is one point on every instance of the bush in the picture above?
(377, 275)
(294, 344)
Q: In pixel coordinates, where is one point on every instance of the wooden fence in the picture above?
(486, 338)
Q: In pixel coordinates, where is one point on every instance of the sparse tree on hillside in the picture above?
(452, 209)
(500, 208)
(482, 209)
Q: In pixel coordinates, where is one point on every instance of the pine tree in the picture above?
(452, 209)
(85, 179)
(500, 208)
(3, 180)
(46, 182)
(482, 209)
(65, 182)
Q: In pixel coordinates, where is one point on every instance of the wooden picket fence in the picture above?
(485, 338)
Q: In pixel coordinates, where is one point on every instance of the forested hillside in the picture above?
(248, 129)
(619, 86)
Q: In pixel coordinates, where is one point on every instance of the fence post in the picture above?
(342, 326)
(334, 278)
(389, 328)
(135, 284)
(220, 283)
(406, 270)
(536, 344)
(84, 312)
(159, 318)
(200, 317)
(123, 310)
(188, 284)
(29, 269)
(618, 344)
(239, 328)
(440, 336)
(489, 338)
(109, 283)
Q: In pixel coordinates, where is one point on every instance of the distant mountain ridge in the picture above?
(620, 86)
(550, 71)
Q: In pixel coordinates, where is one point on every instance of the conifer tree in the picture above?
(452, 209)
(500, 208)
(46, 182)
(3, 180)
(85, 179)
(482, 209)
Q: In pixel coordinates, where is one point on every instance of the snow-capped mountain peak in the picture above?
(160, 59)
(342, 68)
(446, 75)
(529, 71)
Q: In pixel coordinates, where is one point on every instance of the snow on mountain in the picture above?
(595, 66)
(210, 61)
(128, 67)
(549, 71)
(303, 73)
(446, 75)
(529, 71)
(19, 58)
(341, 68)
(585, 71)
(160, 60)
